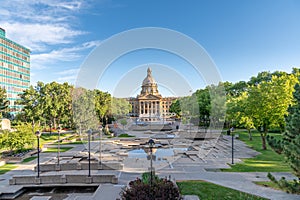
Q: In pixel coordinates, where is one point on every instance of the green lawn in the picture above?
(205, 190)
(47, 138)
(269, 184)
(125, 135)
(70, 143)
(275, 186)
(29, 159)
(267, 161)
(54, 150)
(6, 168)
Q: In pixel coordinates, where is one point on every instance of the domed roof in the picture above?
(149, 79)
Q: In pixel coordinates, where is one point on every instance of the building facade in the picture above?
(14, 70)
(149, 105)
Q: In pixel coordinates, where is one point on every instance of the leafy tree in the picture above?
(175, 108)
(290, 144)
(102, 104)
(268, 102)
(123, 122)
(218, 105)
(238, 112)
(83, 107)
(22, 138)
(56, 102)
(30, 98)
(3, 101)
(204, 105)
(119, 107)
(49, 102)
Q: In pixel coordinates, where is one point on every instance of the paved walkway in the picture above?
(182, 168)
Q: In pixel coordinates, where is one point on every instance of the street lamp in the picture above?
(38, 134)
(58, 145)
(151, 144)
(232, 146)
(50, 128)
(100, 147)
(89, 138)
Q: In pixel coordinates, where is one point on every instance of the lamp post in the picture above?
(38, 134)
(100, 147)
(232, 146)
(58, 145)
(89, 146)
(151, 144)
(32, 124)
(50, 128)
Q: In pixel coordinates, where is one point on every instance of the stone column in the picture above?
(143, 107)
(148, 107)
(140, 108)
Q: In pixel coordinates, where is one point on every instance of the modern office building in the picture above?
(149, 105)
(14, 70)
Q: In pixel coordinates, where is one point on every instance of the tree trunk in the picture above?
(263, 138)
(250, 134)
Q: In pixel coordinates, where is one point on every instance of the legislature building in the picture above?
(149, 105)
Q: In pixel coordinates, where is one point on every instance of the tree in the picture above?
(123, 122)
(175, 108)
(21, 138)
(238, 112)
(49, 102)
(30, 99)
(3, 101)
(119, 107)
(290, 144)
(102, 104)
(56, 102)
(268, 102)
(83, 107)
(204, 106)
(218, 105)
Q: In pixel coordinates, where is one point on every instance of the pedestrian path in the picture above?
(183, 168)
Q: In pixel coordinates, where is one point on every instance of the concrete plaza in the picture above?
(190, 164)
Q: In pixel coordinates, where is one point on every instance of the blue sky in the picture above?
(242, 37)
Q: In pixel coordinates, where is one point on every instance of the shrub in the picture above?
(146, 177)
(288, 186)
(162, 189)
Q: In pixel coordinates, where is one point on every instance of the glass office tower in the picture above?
(14, 70)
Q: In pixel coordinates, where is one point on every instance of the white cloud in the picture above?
(68, 72)
(37, 24)
(42, 60)
(68, 75)
(49, 28)
(37, 36)
(69, 79)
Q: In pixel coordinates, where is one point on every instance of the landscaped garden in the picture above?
(267, 161)
(206, 191)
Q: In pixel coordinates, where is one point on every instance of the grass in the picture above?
(205, 190)
(54, 150)
(268, 184)
(267, 161)
(125, 135)
(29, 159)
(76, 142)
(70, 143)
(6, 168)
(46, 138)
